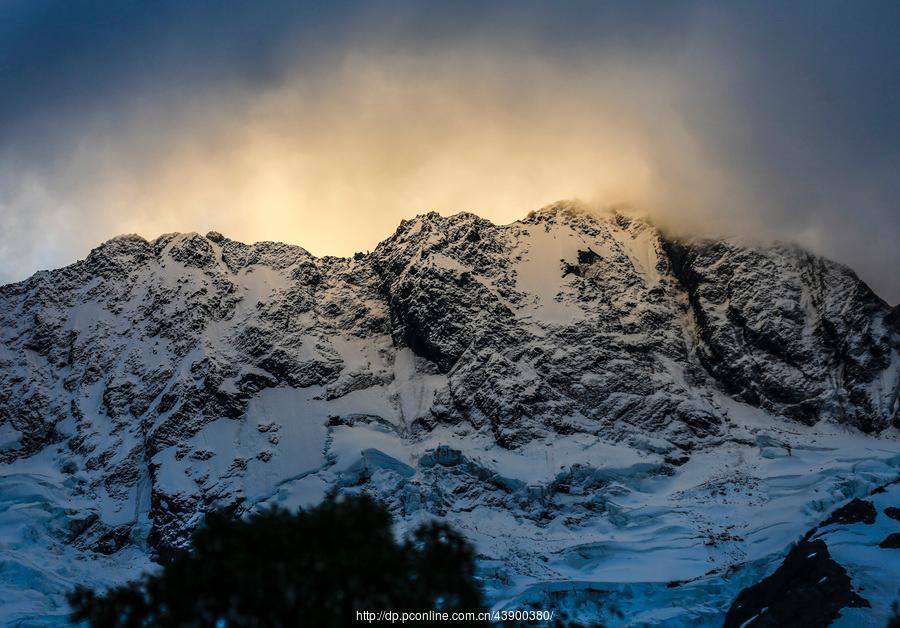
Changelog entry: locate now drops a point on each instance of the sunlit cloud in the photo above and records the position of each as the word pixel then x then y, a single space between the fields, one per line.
pixel 330 148
pixel 335 165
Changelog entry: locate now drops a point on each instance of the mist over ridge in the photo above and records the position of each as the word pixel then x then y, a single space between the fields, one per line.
pixel 327 126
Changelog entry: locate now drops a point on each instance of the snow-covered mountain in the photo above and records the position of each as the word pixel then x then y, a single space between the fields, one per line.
pixel 630 428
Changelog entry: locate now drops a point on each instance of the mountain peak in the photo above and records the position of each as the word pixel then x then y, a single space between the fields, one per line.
pixel 556 368
pixel 575 211
pixel 564 207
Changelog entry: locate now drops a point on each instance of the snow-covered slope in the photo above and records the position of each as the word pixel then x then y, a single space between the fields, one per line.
pixel 602 410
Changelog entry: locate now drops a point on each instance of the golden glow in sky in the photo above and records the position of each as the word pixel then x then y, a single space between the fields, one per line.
pixel 337 167
pixel 334 160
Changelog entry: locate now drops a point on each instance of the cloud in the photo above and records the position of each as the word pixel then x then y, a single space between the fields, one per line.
pixel 325 128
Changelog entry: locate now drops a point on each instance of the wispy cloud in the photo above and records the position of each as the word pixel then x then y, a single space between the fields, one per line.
pixel 325 127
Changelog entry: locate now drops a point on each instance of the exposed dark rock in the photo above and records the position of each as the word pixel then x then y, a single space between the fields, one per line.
pixel 93 535
pixel 893 512
pixel 193 251
pixel 587 257
pixel 113 540
pixel 892 541
pixel 856 511
pixel 808 589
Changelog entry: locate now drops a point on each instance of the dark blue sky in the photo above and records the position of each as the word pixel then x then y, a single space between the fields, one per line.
pixel 797 102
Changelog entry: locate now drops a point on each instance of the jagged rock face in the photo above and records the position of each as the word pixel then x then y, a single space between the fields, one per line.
pixel 555 324
pixel 166 377
pixel 792 333
pixel 618 323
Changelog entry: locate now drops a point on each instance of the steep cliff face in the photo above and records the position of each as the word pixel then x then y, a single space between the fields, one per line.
pixel 794 334
pixel 539 371
pixel 554 325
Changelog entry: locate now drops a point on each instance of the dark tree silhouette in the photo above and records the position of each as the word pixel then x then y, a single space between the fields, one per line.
pixel 276 568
